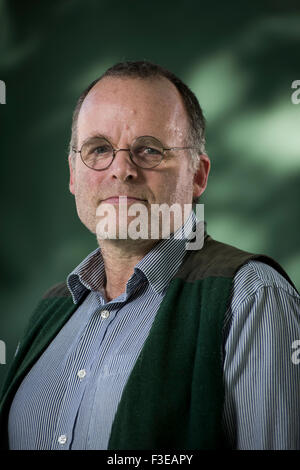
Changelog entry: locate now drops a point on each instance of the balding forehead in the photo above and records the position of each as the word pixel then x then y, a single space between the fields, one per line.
pixel 149 106
pixel 156 89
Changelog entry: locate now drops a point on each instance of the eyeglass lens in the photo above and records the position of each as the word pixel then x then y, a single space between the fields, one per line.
pixel 146 152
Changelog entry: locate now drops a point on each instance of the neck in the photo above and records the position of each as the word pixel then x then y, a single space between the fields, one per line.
pixel 120 258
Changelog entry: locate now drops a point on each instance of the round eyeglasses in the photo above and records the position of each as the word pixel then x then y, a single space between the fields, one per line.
pixel 145 152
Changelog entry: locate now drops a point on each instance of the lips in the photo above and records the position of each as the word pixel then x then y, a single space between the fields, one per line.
pixel 121 198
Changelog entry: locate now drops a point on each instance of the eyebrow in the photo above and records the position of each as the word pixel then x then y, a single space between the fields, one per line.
pixel 101 136
pixel 95 136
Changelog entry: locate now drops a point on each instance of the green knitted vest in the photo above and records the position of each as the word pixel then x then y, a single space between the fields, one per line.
pixel 174 396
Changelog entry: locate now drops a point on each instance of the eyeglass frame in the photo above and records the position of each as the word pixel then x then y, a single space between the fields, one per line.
pixel 115 151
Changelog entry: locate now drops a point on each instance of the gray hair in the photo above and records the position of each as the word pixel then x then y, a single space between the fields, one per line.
pixel 144 70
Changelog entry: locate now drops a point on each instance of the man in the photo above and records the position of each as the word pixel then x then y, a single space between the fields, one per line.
pixel 149 344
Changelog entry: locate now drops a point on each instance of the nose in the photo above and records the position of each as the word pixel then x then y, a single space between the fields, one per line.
pixel 122 168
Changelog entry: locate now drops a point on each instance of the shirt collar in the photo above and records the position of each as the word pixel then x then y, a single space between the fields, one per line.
pixel 158 266
pixel 163 261
pixel 88 275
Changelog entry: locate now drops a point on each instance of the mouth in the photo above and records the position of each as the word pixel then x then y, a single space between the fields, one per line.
pixel 122 199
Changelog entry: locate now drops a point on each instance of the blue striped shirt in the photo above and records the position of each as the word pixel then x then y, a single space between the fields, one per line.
pixel 69 398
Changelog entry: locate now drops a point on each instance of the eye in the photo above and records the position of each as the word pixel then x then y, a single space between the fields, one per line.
pixel 152 150
pixel 148 151
pixel 101 150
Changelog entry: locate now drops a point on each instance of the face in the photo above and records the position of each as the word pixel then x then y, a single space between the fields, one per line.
pixel 122 109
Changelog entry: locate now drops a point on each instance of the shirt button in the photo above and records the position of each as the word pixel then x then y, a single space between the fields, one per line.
pixel 62 439
pixel 81 373
pixel 105 314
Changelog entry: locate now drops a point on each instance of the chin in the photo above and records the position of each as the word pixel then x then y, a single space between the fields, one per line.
pixel 89 223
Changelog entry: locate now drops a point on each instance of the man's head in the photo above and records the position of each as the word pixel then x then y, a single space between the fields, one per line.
pixel 128 101
pixel 147 70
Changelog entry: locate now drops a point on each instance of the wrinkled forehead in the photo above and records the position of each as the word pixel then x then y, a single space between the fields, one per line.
pixel 152 104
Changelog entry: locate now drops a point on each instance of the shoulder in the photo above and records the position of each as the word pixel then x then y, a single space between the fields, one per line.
pixel 261 294
pixel 256 276
pixel 52 297
pixel 218 259
pixel 57 290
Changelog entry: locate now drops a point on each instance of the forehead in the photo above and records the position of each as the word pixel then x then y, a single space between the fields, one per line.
pixel 142 106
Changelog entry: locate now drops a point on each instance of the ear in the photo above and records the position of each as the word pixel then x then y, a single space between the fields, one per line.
pixel 201 176
pixel 72 174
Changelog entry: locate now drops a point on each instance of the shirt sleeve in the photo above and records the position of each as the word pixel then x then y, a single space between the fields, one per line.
pixel 261 370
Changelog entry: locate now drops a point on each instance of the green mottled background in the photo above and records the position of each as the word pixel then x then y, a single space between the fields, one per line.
pixel 239 57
